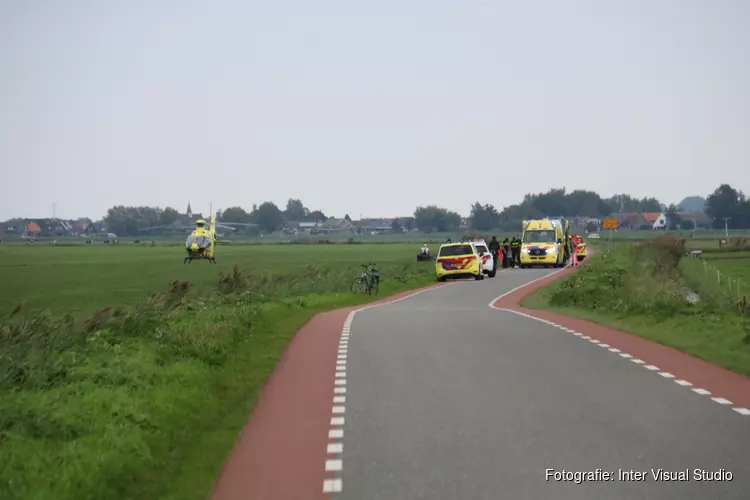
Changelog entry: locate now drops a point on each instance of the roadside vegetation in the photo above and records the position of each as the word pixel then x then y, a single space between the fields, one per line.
pixel 145 398
pixel 655 290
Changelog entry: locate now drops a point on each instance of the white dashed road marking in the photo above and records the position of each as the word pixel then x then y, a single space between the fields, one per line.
pixel 722 401
pixel 654 368
pixel 334 484
pixel 336 433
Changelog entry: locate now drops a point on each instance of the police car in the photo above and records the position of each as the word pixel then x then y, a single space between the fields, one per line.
pixel 487 259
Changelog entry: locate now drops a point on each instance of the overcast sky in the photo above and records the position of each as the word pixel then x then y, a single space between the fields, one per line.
pixel 367 107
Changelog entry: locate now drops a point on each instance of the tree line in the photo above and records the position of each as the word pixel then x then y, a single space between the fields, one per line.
pixel 267 217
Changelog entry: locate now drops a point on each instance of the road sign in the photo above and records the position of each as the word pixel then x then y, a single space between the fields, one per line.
pixel 610 223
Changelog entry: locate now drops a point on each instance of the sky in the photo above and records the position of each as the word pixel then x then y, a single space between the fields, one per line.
pixel 367 108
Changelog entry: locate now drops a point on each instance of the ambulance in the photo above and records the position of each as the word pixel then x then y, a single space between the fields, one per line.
pixel 543 243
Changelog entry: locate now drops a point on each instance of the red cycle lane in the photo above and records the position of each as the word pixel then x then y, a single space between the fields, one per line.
pixel 720 382
pixel 281 452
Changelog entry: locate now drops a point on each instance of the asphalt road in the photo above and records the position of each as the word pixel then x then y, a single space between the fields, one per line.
pixel 449 399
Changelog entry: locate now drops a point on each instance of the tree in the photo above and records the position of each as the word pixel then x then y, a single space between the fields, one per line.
pixel 129 221
pixel 692 204
pixel 726 201
pixel 435 219
pixel 316 216
pixel 347 218
pixel 168 216
pixel 396 226
pixel 235 215
pixel 483 217
pixel 625 203
pixel 295 210
pixel 268 217
pixel 674 221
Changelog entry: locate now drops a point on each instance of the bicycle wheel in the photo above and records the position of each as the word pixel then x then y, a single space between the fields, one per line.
pixel 359 286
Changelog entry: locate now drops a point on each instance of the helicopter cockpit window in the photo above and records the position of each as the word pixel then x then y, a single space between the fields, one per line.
pixel 202 241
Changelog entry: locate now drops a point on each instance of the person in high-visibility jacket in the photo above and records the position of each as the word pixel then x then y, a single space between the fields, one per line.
pixel 573 244
pixel 515 248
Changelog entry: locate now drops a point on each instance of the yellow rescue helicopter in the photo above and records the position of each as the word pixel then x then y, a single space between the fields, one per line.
pixel 201 244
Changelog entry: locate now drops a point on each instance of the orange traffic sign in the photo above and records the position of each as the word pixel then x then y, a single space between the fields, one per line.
pixel 610 223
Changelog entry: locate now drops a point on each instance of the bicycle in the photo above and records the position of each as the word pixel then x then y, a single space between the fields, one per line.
pixel 368 282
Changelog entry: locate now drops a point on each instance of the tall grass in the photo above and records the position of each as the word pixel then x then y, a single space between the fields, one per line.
pixel 124 402
pixel 633 279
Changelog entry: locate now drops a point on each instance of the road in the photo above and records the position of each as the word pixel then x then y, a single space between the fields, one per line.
pixel 447 398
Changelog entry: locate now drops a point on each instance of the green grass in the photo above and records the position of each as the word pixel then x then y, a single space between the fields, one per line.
pixel 642 291
pixel 82 279
pixel 146 400
pixel 734 264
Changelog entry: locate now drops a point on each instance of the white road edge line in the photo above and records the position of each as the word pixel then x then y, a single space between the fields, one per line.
pixel 334 485
pixel 684 383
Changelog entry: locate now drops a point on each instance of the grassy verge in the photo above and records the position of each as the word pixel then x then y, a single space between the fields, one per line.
pixel 641 289
pixel 146 401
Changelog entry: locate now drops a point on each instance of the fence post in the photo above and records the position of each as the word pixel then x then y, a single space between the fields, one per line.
pixel 705 266
pixel 718 277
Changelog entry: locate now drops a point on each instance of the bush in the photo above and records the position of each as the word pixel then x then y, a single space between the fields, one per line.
pixel 635 279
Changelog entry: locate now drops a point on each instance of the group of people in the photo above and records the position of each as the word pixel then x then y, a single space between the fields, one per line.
pixel 509 251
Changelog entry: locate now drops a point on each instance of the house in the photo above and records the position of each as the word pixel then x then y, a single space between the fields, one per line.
pixel 658 220
pixel 32 229
pixel 631 220
pixel 699 219
pixel 80 228
pixel 464 224
pixel 295 227
pixel 334 225
pixel 382 225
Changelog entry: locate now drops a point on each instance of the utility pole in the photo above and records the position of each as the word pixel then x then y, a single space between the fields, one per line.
pixel 54 210
pixel 726 226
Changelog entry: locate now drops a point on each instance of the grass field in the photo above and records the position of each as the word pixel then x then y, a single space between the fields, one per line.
pixel 643 291
pixel 83 279
pixel 145 400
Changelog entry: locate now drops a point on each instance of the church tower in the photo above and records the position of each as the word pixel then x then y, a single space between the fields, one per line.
pixel 189 211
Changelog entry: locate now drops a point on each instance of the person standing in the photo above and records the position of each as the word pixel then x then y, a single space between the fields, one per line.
pixel 515 248
pixel 494 248
pixel 573 257
pixel 506 253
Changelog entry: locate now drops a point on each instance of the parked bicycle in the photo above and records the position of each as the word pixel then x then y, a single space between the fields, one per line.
pixel 368 282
